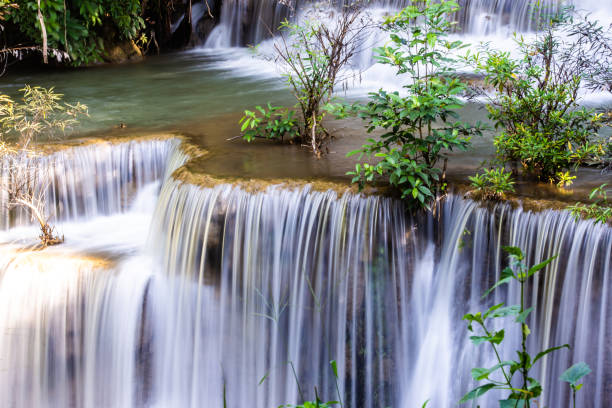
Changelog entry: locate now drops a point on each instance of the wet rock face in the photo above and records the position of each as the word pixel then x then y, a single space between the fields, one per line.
pixel 122 52
pixel 119 50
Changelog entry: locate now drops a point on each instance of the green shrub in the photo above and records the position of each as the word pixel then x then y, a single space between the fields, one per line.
pixel 493 184
pixel 600 210
pixel 536 99
pixel 311 57
pixel 420 124
pixel 272 122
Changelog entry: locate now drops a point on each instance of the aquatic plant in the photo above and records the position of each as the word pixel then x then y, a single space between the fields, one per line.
pixel 269 122
pixel 421 125
pixel 534 99
pixel 493 184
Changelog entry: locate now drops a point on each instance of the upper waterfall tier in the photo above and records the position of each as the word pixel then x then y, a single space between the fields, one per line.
pixel 100 178
pixel 244 22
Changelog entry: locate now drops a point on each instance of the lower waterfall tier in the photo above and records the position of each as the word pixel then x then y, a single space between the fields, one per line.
pixel 191 296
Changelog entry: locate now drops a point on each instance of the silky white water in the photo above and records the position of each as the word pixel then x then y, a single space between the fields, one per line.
pixel 186 294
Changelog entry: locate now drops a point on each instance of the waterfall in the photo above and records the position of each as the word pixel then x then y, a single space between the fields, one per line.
pixel 248 22
pixel 263 281
pixel 249 295
pixel 86 181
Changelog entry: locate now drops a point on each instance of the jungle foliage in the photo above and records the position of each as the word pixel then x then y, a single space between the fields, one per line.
pixel 76 27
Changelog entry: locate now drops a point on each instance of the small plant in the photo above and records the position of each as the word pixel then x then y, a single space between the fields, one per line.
pixel 600 211
pixel 274 123
pixel 574 374
pixel 41 112
pixel 317 403
pixel 493 184
pixel 420 127
pixel 311 56
pixel 564 179
pixel 521 392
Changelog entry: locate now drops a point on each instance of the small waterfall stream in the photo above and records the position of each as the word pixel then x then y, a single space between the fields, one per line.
pixel 249 22
pixel 237 291
pixel 97 179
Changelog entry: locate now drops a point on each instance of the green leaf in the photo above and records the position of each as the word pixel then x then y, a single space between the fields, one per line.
pixel 506 311
pixel 573 374
pixel 480 374
pixel 500 282
pixel 496 338
pixel 477 392
pixel 512 403
pixel 263 379
pixel 523 315
pixel 515 252
pixel 540 266
pixel 334 367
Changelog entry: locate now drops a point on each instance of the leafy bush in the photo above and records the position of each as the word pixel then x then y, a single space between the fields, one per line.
pixel 536 97
pixel 493 184
pixel 74 26
pixel 420 125
pixel 274 123
pixel 600 210
pixel 527 388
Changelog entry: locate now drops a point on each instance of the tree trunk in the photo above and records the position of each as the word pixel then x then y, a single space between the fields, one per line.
pixel 43 31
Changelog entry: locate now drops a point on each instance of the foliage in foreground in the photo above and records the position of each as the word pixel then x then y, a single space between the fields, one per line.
pixel 523 392
pixel 41 112
pixel 317 403
pixel 311 57
pixel 421 123
pixel 536 97
pixel 600 210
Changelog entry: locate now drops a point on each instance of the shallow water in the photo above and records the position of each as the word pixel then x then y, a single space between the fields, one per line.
pixel 202 93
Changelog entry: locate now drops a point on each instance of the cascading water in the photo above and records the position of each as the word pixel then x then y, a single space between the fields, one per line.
pixel 300 278
pixel 232 292
pixel 248 22
pixel 90 180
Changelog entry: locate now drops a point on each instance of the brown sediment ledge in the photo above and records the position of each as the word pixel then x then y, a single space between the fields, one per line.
pixel 54 146
pixel 48 258
pixel 193 172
